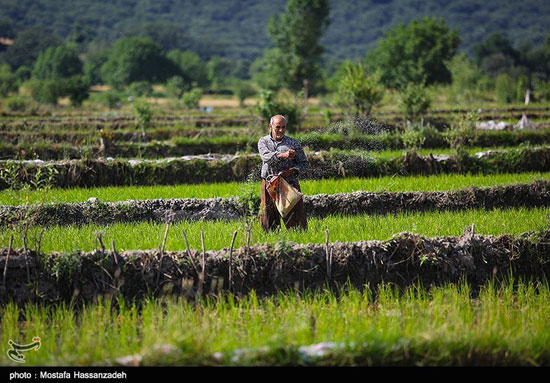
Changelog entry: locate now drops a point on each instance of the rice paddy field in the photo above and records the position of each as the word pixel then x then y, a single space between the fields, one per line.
pixel 465 286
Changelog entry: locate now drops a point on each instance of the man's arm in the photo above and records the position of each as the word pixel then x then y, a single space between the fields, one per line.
pixel 268 156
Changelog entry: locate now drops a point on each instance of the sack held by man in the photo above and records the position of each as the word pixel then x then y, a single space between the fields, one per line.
pixel 283 194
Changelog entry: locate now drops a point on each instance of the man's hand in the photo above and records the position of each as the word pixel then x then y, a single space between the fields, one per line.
pixel 289 155
pixel 287 173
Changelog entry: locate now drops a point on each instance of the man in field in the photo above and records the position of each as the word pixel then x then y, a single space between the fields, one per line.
pixel 281 154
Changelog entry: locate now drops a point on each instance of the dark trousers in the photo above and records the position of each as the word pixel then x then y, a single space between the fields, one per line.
pixel 270 217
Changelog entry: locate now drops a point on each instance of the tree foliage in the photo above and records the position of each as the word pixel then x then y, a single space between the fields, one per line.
pixel 415 53
pixel 169 36
pixel 77 89
pixel 358 91
pixel 57 62
pixel 191 67
pixel 6 28
pixel 268 106
pixel 192 99
pixel 415 100
pixel 296 34
pixel 236 28
pixel 28 45
pixel 8 81
pixel 137 59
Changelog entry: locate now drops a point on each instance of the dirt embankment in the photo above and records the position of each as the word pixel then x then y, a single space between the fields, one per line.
pixel 404 260
pixel 324 164
pixel 535 194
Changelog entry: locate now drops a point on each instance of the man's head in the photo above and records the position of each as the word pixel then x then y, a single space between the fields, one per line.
pixel 277 127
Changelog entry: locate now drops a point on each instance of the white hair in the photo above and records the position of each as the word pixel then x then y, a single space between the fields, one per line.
pixel 278 115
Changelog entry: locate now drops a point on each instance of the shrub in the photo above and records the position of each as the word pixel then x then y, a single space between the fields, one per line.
pixel 22 74
pixel 140 89
pixel 542 91
pixel 268 107
pixel 45 91
pixel 143 114
pixel 57 62
pixel 462 132
pixel 412 137
pixel 111 98
pixel 77 89
pixel 505 89
pixel 358 91
pixel 8 81
pixel 414 100
pixel 244 90
pixel 192 99
pixel 521 88
pixel 17 104
pixel 175 86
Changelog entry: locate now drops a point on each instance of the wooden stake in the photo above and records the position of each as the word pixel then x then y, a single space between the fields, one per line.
pixel 26 255
pixel 189 251
pixel 162 251
pixel 164 238
pixel 203 266
pixel 40 241
pixel 328 256
pixel 98 236
pixel 249 229
pixel 7 260
pixel 114 251
pixel 231 262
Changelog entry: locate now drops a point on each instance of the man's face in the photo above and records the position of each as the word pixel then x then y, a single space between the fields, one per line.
pixel 278 128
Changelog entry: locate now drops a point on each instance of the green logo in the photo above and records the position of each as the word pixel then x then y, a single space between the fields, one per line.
pixel 15 352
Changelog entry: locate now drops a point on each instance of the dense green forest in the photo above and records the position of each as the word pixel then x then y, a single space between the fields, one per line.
pixel 237 28
pixel 193 49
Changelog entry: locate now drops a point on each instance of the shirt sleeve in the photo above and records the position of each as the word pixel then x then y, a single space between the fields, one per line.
pixel 268 156
pixel 301 159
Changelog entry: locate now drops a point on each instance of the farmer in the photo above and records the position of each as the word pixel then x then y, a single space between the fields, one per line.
pixel 281 154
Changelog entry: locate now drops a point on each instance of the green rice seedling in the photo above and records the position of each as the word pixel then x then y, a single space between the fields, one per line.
pixel 454 324
pixel 218 234
pixel 230 189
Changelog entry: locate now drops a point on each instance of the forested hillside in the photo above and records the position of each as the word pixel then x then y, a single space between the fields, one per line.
pixel 237 28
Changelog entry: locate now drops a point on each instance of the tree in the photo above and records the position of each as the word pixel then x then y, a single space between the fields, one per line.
pixel 92 66
pixel 219 71
pixel 358 91
pixel 268 106
pixel 45 91
pixel 192 99
pixel 495 44
pixel 28 45
pixel 57 73
pixel 415 53
pixel 137 59
pixel 57 62
pixel 466 78
pixel 244 90
pixel 169 36
pixel 143 113
pixel 414 100
pixel 193 69
pixel 176 86
pixel 538 60
pixel 294 61
pixel 77 89
pixel 81 34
